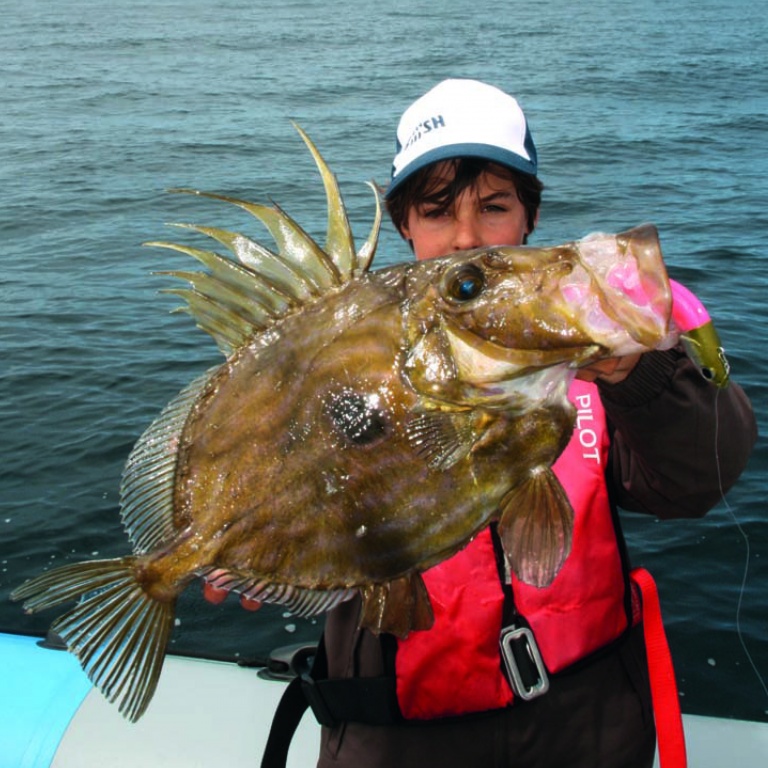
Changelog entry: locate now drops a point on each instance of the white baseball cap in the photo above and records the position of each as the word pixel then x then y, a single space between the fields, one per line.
pixel 462 118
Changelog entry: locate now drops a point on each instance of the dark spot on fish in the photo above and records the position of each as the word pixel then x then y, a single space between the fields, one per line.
pixel 357 418
pixel 464 283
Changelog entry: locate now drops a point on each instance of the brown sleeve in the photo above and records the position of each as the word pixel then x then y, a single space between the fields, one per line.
pixel 679 442
pixel 351 652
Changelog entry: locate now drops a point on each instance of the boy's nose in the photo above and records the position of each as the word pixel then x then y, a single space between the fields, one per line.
pixel 466 233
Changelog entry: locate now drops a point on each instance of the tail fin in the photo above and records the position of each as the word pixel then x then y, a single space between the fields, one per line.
pixel 117 631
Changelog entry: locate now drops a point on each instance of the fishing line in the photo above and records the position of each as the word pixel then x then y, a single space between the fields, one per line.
pixel 744 536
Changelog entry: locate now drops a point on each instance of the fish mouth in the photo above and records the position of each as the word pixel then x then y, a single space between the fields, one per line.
pixel 481 361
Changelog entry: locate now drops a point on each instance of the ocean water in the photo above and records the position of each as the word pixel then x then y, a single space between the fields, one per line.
pixel 654 110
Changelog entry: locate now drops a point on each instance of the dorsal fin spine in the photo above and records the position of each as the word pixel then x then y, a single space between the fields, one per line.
pixel 294 244
pixel 236 275
pixel 318 263
pixel 253 307
pixel 261 287
pixel 271 267
pixel 368 249
pixel 340 244
pixel 228 329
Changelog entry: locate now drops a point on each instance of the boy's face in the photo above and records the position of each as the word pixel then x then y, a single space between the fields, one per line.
pixel 487 213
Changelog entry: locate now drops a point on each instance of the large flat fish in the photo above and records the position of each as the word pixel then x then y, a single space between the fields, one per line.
pixel 364 426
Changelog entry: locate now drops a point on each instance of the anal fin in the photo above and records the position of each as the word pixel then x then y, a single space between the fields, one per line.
pixel 397 607
pixel 536 528
pixel 301 601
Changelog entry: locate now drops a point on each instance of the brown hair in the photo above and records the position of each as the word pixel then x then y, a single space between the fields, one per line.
pixel 424 186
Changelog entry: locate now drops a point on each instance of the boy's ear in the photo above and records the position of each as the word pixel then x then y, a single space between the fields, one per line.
pixel 405 233
pixel 529 230
pixel 535 222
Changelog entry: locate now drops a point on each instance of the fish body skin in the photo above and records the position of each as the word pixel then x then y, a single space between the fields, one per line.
pixel 364 426
pixel 276 477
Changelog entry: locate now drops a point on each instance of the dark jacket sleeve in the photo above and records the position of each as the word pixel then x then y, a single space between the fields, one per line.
pixel 679 442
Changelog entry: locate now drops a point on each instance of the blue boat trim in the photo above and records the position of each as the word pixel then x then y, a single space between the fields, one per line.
pixel 46 689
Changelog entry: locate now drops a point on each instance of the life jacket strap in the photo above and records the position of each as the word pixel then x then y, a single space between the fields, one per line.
pixel 666 702
pixel 371 700
pixel 291 708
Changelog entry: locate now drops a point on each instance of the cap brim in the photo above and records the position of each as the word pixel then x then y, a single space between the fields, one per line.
pixel 452 151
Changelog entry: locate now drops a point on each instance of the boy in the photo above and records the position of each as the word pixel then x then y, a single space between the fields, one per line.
pixel 465 176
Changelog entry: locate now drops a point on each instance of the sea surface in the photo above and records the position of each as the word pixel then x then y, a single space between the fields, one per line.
pixel 650 110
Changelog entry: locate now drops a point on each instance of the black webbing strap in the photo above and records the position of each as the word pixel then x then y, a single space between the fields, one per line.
pixel 521 659
pixel 291 708
pixel 370 700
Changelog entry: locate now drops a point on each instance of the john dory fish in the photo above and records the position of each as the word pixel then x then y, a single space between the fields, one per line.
pixel 364 426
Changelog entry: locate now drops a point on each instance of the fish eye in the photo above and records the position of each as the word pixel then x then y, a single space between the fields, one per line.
pixel 466 283
pixel 357 418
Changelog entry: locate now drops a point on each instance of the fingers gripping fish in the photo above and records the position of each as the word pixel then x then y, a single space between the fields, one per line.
pixel 364 426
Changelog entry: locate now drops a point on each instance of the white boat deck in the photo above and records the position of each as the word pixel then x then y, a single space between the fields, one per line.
pixel 208 714
pixel 215 714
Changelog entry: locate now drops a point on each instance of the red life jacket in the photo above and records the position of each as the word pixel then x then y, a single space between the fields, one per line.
pixel 454 668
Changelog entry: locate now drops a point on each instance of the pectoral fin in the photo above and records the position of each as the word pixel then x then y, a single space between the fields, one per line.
pixel 397 607
pixel 442 438
pixel 536 528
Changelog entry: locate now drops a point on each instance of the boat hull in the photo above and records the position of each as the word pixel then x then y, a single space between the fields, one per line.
pixel 210 713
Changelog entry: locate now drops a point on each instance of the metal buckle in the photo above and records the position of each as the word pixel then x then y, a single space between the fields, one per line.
pixel 522 658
